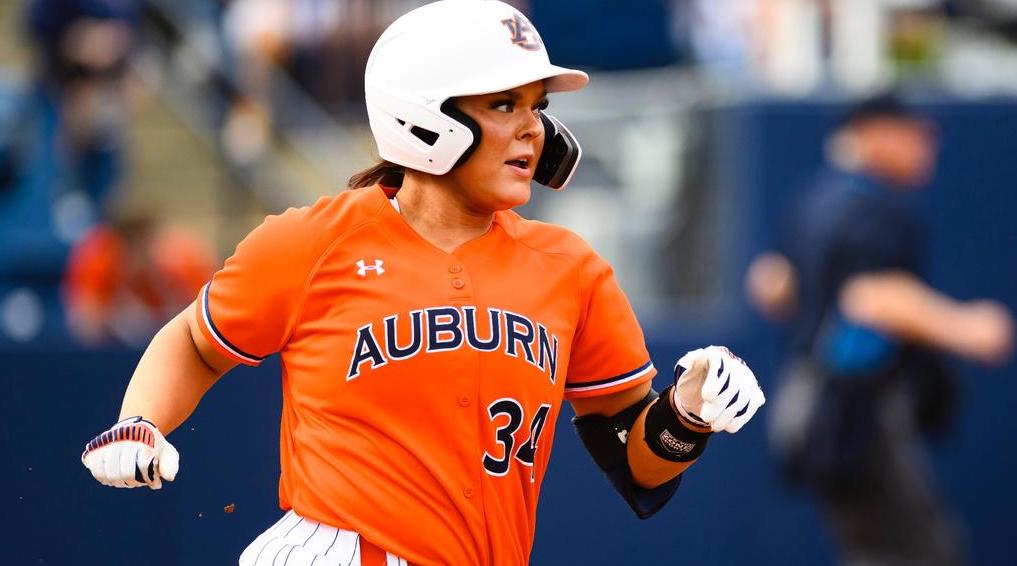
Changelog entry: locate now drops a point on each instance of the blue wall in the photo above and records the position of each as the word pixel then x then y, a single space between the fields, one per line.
pixel 730 509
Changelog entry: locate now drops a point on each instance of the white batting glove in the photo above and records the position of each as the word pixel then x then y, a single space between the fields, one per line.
pixel 714 388
pixel 132 453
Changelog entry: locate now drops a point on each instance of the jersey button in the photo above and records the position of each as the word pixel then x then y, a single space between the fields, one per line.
pixel 458 283
pixel 455 268
pixel 468 492
pixel 464 400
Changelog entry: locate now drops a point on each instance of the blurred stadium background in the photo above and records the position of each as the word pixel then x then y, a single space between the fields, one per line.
pixel 141 139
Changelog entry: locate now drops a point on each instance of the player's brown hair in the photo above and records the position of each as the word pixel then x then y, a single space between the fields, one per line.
pixel 374 174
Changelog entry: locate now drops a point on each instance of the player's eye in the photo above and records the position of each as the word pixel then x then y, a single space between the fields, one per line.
pixel 503 106
pixel 542 105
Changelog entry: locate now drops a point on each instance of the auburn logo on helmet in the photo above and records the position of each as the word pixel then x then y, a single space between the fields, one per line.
pixel 523 33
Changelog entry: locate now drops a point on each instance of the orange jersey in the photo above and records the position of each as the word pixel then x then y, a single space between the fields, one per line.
pixel 421 388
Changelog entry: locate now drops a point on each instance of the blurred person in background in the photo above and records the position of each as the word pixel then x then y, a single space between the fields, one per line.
pixel 722 34
pixel 82 49
pixel 263 35
pixel 866 380
pixel 61 155
pixel 127 277
pixel 321 45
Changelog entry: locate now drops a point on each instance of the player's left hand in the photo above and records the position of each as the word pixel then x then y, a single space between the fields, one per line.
pixel 715 389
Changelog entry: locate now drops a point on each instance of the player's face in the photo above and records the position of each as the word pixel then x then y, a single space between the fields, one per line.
pixel 497 176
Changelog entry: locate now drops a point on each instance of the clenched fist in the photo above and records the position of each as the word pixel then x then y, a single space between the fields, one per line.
pixel 714 388
pixel 132 453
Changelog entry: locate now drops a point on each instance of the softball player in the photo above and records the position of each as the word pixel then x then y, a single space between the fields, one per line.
pixel 427 333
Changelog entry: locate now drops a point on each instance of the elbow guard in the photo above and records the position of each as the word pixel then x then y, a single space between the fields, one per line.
pixel 606 439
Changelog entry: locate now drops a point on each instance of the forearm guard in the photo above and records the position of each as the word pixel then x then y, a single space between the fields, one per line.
pixel 606 438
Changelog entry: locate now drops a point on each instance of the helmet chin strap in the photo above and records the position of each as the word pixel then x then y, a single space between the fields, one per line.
pixel 558 159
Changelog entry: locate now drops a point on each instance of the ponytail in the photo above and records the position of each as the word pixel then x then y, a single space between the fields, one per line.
pixel 384 172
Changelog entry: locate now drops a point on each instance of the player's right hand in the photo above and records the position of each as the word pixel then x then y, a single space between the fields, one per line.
pixel 132 453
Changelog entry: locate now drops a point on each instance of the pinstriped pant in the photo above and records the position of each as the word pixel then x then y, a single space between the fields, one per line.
pixel 296 541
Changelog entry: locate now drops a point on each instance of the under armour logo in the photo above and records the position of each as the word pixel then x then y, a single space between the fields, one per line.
pixel 363 268
pixel 523 33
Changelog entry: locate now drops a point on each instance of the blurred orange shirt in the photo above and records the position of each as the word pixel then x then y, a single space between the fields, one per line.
pixel 421 388
pixel 110 276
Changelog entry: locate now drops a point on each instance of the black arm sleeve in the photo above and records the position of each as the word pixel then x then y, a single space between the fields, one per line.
pixel 606 439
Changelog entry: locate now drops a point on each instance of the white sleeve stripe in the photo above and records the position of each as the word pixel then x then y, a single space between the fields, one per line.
pixel 604 384
pixel 206 317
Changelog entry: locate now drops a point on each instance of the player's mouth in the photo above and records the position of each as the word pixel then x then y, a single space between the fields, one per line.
pixel 521 165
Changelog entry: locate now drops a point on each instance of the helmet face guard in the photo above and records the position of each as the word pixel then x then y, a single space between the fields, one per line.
pixel 454 48
pixel 560 157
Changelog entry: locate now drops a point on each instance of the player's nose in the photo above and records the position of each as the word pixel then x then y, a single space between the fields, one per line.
pixel 531 127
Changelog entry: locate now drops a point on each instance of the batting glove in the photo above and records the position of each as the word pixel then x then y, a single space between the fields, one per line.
pixel 715 389
pixel 132 453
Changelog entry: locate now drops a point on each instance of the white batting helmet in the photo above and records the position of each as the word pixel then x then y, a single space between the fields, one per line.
pixel 443 50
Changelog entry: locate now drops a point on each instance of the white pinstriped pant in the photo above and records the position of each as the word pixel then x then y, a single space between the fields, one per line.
pixel 296 541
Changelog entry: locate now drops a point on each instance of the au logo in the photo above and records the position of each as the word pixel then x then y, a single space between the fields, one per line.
pixel 523 33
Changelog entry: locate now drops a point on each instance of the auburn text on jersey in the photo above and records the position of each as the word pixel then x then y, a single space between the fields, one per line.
pixel 444 328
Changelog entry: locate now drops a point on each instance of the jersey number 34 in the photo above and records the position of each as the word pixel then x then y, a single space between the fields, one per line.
pixel 506 436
